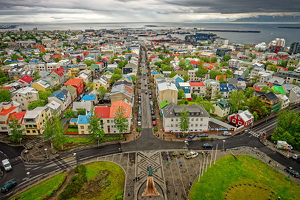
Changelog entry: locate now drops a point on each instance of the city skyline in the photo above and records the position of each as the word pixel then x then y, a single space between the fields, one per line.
pixel 72 11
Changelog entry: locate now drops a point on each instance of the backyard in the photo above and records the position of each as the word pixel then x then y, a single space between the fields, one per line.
pixel 244 178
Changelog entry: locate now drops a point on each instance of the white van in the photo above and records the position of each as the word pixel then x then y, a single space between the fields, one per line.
pixel 6 164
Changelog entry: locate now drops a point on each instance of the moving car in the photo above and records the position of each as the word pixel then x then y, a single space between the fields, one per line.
pixel 292 172
pixel 226 133
pixel 207 146
pixel 6 164
pixel 191 155
pixel 139 120
pixel 8 186
pixel 296 156
pixel 202 135
pixel 190 137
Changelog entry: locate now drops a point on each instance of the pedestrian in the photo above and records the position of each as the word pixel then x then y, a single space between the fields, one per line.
pixel 167 158
pixel 169 163
pixel 179 162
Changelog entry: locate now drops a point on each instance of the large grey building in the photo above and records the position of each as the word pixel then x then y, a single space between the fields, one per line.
pixel 198 118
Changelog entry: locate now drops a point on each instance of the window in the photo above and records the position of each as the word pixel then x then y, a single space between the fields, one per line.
pixel 82 127
pixel 192 119
pixel 28 131
pixel 171 119
pixel 240 123
pixel 233 120
pixel 201 119
pixel 196 119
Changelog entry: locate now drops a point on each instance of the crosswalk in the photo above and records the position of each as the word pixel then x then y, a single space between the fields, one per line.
pixel 256 134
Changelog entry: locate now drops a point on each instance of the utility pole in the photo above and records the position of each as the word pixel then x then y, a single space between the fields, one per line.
pixel 216 154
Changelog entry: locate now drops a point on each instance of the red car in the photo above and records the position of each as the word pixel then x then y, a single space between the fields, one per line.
pixel 153 120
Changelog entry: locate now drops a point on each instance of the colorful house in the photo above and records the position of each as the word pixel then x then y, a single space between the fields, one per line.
pixel 77 83
pixel 25 80
pixel 242 118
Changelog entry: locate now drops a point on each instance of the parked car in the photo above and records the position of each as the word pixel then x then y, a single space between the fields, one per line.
pixel 6 164
pixel 152 112
pixel 226 133
pixel 191 155
pixel 296 156
pixel 292 172
pixel 202 135
pixel 150 96
pixel 139 120
pixel 140 110
pixel 8 186
pixel 190 137
pixel 207 146
pixel 153 120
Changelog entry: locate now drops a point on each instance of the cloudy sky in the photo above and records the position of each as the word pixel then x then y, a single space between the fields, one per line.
pixel 59 11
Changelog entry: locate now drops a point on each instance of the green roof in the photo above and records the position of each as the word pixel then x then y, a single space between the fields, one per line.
pixel 278 89
pixel 94 66
pixel 163 104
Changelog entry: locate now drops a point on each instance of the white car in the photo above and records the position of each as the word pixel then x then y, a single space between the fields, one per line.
pixel 191 155
pixel 6 164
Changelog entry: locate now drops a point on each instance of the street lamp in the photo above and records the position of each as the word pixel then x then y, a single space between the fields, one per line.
pixel 223 145
pixel 28 173
pixel 74 155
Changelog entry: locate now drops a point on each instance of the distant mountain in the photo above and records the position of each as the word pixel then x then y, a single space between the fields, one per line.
pixel 264 18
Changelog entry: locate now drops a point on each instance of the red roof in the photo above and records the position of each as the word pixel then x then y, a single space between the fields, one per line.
pixel 102 111
pixel 5 88
pixel 17 115
pixel 59 71
pixel 219 76
pixel 196 84
pixel 86 53
pixel 38 46
pixel 26 79
pixel 194 62
pixel 74 81
pixel 270 58
pixel 256 89
pixel 7 111
pixel 115 106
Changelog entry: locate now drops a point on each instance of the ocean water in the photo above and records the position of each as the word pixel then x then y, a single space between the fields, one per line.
pixel 269 31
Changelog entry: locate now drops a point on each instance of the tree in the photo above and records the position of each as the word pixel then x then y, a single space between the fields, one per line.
pixel 249 92
pixel 115 77
pixel 117 71
pixel 182 65
pixel 16 131
pixel 207 105
pixel 133 78
pixel 172 74
pixel 190 67
pixel 201 72
pixel 226 57
pixel 229 74
pixel 36 103
pixel 70 113
pixel 236 100
pixel 102 91
pixel 288 128
pixel 81 111
pixel 184 120
pixel 214 73
pixel 95 127
pixel 5 96
pixel 181 94
pixel 43 95
pixel 255 105
pixel 185 78
pixel 291 68
pixel 36 75
pixel 213 60
pixel 266 89
pixel 166 67
pixel 54 131
pixel 120 121
pixel 273 68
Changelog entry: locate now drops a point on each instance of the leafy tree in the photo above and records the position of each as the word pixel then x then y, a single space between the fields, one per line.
pixel 229 74
pixel 120 121
pixel 207 105
pixel 236 100
pixel 184 120
pixel 95 127
pixel 214 73
pixel 133 78
pixel 15 57
pixel 89 62
pixel 172 74
pixel 288 128
pixel 36 103
pixel 201 72
pixel 182 65
pixel 5 96
pixel 36 75
pixel 122 64
pixel 255 115
pixel 213 60
pixel 117 71
pixel 266 89
pixel 166 67
pixel 78 60
pixel 16 132
pixel 255 105
pixel 190 67
pixel 69 113
pixel 249 92
pixel 157 64
pixel 255 79
pixel 57 60
pixel 291 68
pixel 273 68
pixel 115 77
pixel 3 78
pixel 226 57
pixel 283 63
pixel 224 64
pixel 185 78
pixel 81 111
pixel 181 94
pixel 102 91
pixel 43 95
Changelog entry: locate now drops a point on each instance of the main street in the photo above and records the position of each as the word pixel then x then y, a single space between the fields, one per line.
pixel 27 173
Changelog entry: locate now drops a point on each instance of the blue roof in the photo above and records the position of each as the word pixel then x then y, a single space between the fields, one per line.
pixel 153 73
pixel 84 119
pixel 223 87
pixel 74 120
pixel 61 94
pixel 88 97
pixel 231 87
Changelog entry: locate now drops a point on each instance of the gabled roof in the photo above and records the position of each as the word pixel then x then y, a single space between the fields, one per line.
pixel 26 79
pixel 4 112
pixel 219 76
pixel 115 106
pixel 74 81
pixel 197 84
pixel 62 95
pixel 224 87
pixel 102 111
pixel 246 115
pixel 84 119
pixel 271 97
pixel 17 116
pixel 59 71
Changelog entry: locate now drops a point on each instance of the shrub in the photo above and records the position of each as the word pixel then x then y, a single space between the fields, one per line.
pixel 138 129
pixel 155 129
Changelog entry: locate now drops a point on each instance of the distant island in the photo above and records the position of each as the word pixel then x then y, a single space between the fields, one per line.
pixel 290 27
pixel 264 18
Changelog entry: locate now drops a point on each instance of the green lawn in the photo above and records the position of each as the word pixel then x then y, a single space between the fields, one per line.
pixel 72 130
pixel 229 172
pixel 44 189
pixel 116 178
pixel 80 140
